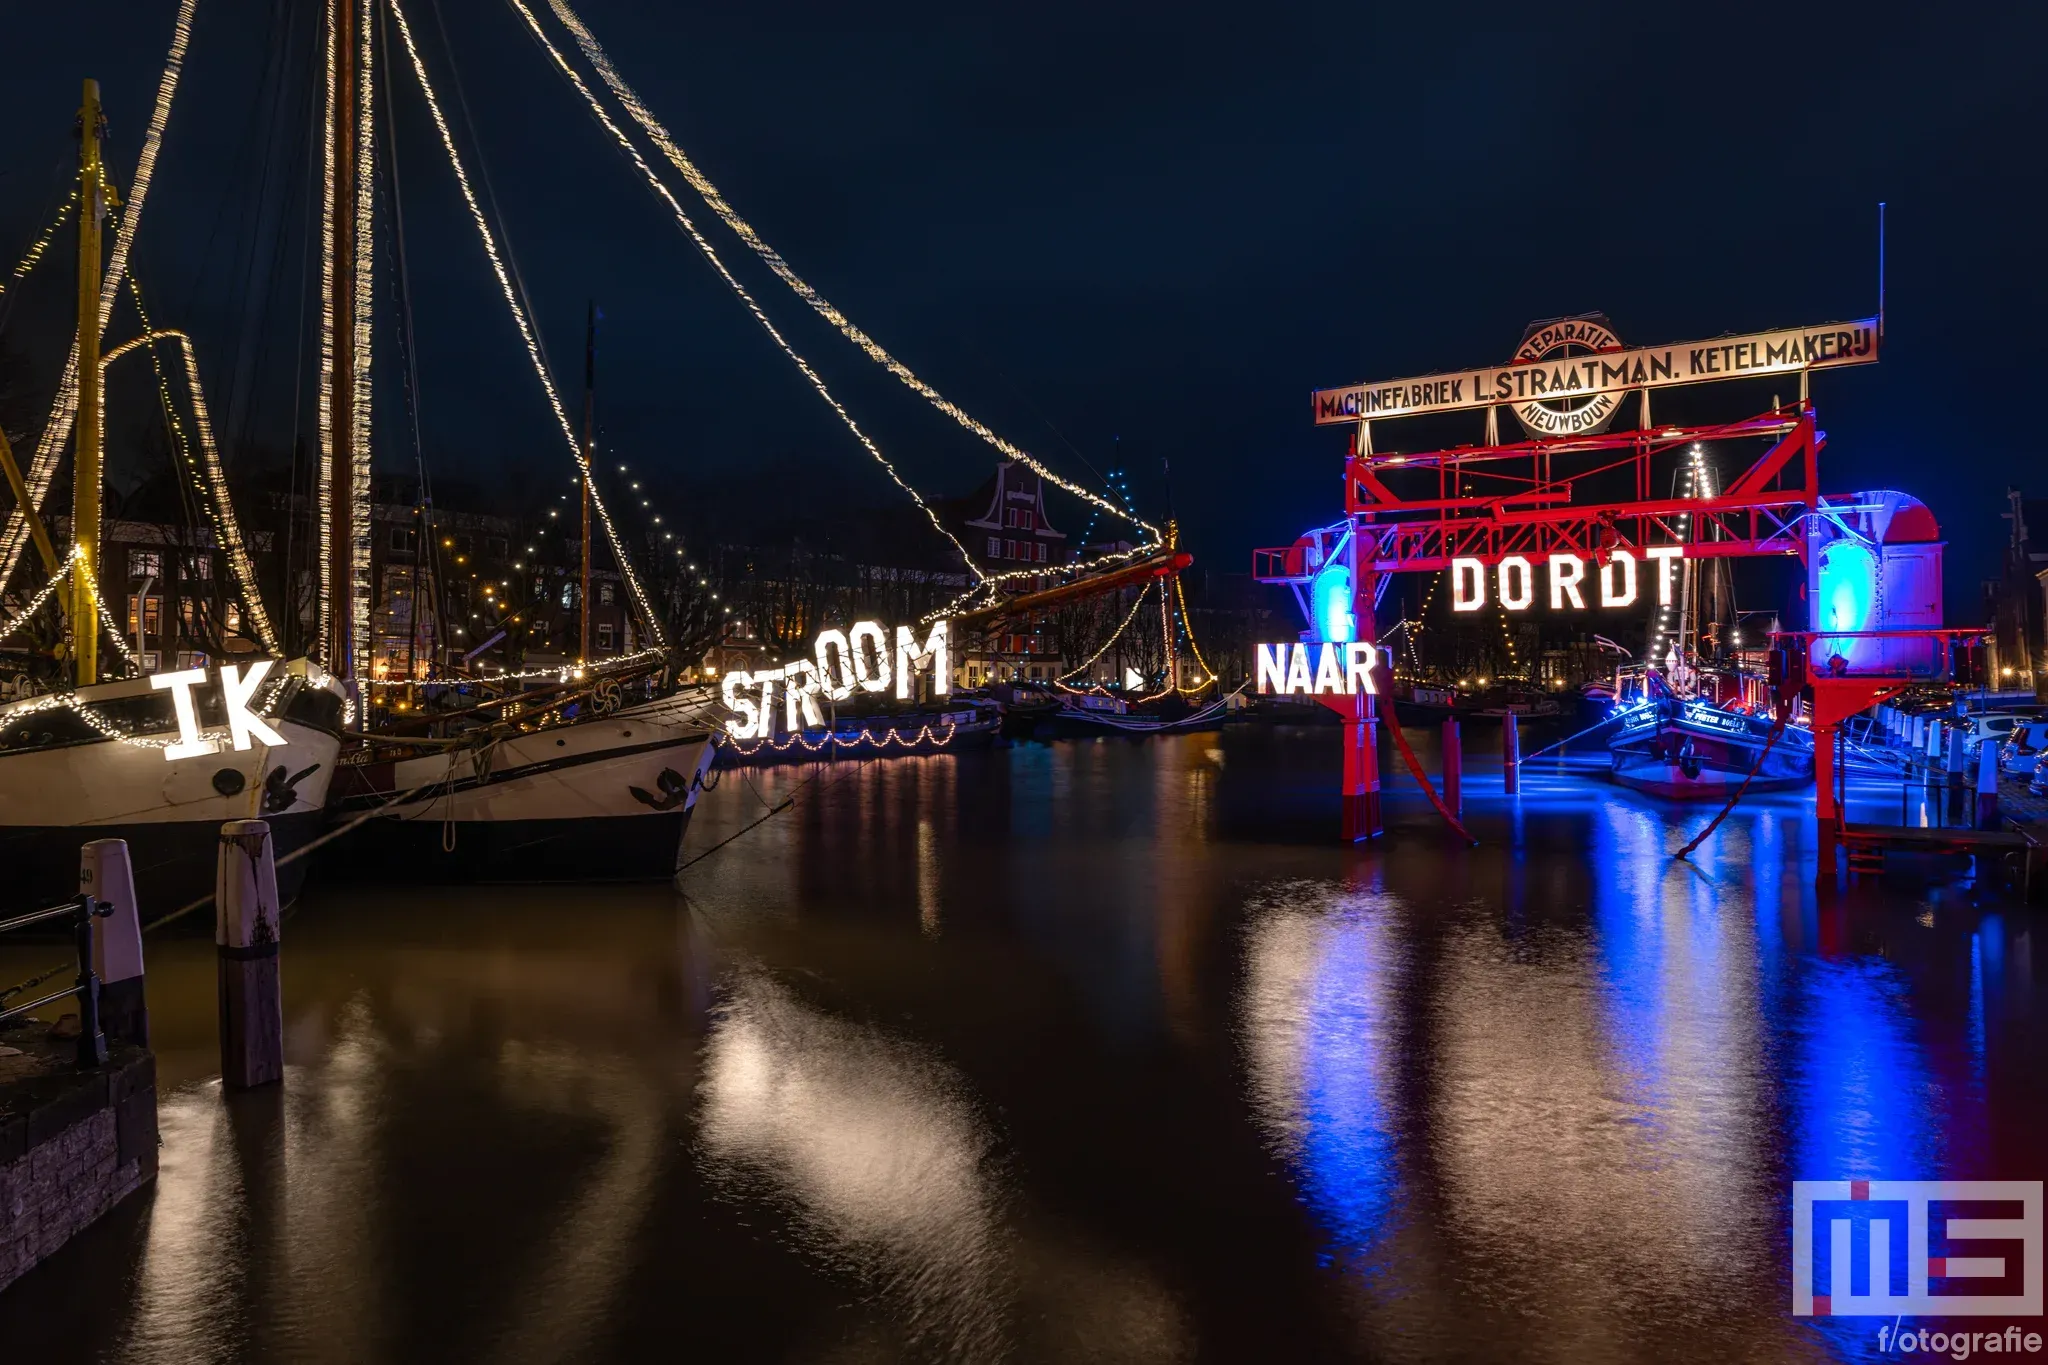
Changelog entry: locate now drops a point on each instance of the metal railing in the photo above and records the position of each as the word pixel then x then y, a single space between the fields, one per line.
pixel 80 910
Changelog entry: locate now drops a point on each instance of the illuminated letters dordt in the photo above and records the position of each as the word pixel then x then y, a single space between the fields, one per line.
pixel 1514 579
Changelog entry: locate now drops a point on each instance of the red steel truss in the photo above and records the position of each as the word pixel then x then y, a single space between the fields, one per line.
pixel 1488 502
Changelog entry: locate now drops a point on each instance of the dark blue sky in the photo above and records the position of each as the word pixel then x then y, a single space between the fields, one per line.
pixel 1161 223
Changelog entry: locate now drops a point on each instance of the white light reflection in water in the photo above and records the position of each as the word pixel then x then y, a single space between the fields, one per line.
pixel 876 1150
pixel 1320 1039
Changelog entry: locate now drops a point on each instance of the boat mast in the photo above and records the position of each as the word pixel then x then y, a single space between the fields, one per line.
pixel 589 463
pixel 338 531
pixel 85 490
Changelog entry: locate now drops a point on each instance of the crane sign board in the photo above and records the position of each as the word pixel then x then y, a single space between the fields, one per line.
pixel 1568 376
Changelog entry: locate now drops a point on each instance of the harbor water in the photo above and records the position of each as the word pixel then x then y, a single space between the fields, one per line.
pixel 1094 1051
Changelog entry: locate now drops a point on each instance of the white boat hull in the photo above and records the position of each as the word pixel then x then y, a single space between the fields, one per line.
pixel 599 799
pixel 59 791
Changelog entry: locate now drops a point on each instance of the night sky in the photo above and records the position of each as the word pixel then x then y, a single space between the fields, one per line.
pixel 1164 224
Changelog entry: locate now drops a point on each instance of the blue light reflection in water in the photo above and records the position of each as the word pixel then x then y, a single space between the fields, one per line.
pixel 1322 1038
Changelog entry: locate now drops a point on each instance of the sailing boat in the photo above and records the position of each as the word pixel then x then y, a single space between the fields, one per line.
pixel 1697 724
pixel 160 761
pixel 569 784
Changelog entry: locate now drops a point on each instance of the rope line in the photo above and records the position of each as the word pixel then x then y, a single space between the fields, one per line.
pixel 64 409
pixel 600 61
pixel 526 331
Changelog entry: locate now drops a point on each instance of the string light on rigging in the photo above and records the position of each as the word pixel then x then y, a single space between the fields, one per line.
pixel 525 326
pixel 64 409
pixel 659 135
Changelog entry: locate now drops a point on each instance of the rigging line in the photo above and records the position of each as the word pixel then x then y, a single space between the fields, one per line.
pixel 1114 636
pixel 526 331
pixel 288 151
pixel 659 135
pixel 740 290
pixel 41 244
pixel 49 446
pixel 483 172
pixel 291 505
pixel 407 345
pixel 1036 411
pixel 222 512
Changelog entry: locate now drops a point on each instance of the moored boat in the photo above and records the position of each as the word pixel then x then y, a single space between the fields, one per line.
pixel 1693 748
pixel 594 798
pixel 100 763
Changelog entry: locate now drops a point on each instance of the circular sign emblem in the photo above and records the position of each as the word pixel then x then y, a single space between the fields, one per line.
pixel 1570 414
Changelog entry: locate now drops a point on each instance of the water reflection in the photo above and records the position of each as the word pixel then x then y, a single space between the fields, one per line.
pixel 1322 1043
pixel 1091 1051
pixel 876 1148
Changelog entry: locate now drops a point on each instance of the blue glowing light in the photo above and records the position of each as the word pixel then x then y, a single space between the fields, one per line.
pixel 1331 595
pixel 1846 597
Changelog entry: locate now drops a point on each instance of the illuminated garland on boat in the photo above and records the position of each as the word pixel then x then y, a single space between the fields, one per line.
pixel 1115 635
pixel 57 429
pixel 882 741
pixel 361 588
pixel 659 135
pixel 214 490
pixel 562 673
pixel 69 701
pixel 35 603
pixel 324 491
pixel 526 333
pixel 42 243
pixel 740 290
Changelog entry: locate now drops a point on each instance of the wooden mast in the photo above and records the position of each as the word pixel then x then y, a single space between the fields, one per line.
pixel 85 489
pixel 339 530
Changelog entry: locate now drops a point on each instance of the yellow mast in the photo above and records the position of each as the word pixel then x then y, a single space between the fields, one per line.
pixel 85 489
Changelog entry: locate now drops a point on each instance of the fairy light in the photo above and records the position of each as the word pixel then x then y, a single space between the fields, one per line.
pixel 220 509
pixel 1116 635
pixel 99 602
pixel 325 491
pixel 1188 629
pixel 925 734
pixel 35 603
pixel 739 290
pixel 659 135
pixel 361 588
pixel 525 327
pixel 563 673
pixel 57 429
pixel 42 243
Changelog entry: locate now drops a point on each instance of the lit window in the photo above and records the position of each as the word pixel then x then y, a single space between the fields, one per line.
pixel 604 636
pixel 995 547
pixel 146 613
pixel 604 594
pixel 145 564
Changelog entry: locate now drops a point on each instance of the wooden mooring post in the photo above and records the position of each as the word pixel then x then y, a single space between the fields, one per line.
pixel 245 937
pixel 1510 755
pixel 104 873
